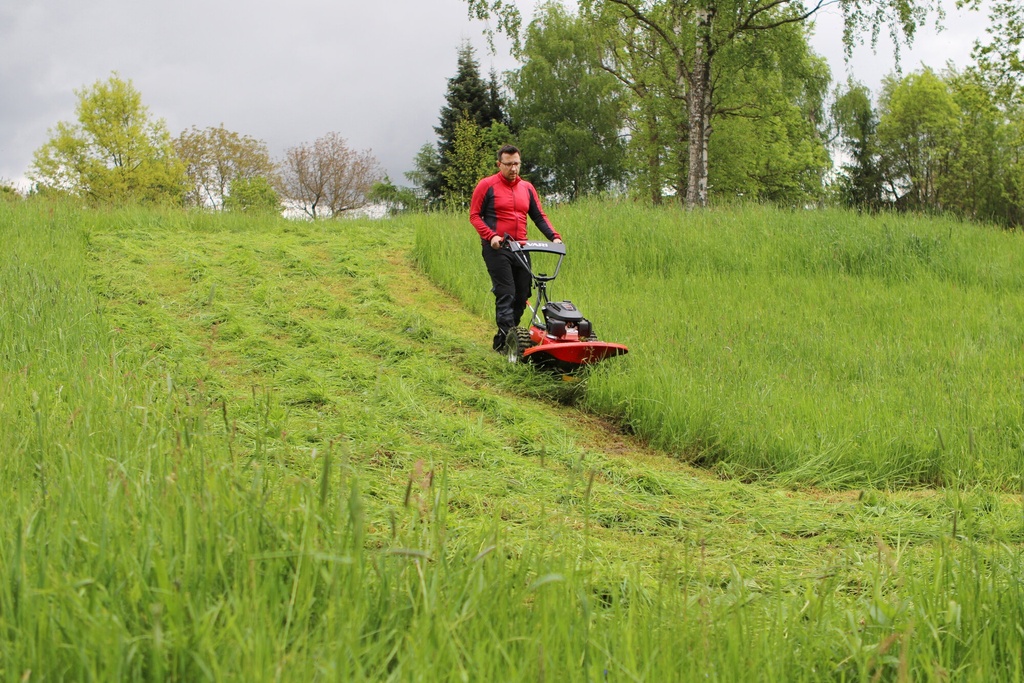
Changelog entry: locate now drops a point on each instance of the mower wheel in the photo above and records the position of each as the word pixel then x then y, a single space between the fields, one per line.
pixel 516 342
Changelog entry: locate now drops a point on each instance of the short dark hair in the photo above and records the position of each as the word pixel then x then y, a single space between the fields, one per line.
pixel 507 149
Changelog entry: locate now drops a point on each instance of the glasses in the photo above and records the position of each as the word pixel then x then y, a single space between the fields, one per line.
pixel 511 164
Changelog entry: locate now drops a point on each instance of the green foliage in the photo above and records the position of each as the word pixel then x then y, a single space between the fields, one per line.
pixel 468 96
pixel 699 47
pixel 396 199
pixel 1013 187
pixel 765 106
pixel 493 138
pixel 999 72
pixel 768 144
pixel 942 143
pixel 918 132
pixel 655 122
pixel 426 174
pixel 115 154
pixel 1001 60
pixel 471 158
pixel 980 169
pixel 567 110
pixel 464 165
pixel 9 193
pixel 215 158
pixel 860 182
pixel 252 195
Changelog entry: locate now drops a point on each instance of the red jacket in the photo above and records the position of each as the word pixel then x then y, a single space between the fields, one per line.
pixel 500 207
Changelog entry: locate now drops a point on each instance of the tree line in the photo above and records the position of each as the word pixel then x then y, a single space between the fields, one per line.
pixel 116 152
pixel 950 141
pixel 933 142
pixel 661 100
pixel 719 99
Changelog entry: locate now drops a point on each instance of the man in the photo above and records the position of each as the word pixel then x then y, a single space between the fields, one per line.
pixel 499 208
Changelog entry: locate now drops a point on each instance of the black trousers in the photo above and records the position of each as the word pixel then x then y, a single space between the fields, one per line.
pixel 510 282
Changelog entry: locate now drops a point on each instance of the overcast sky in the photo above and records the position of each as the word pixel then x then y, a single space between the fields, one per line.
pixel 289 72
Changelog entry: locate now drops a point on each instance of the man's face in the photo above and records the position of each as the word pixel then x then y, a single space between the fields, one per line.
pixel 508 166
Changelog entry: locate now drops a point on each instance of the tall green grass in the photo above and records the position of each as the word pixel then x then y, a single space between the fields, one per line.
pixel 157 523
pixel 822 347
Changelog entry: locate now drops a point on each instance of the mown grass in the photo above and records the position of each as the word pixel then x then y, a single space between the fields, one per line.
pixel 265 450
pixel 819 347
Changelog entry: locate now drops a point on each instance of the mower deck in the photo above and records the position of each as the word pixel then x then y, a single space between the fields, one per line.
pixel 573 353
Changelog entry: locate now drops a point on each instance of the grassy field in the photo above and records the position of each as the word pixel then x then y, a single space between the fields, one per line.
pixel 817 347
pixel 239 449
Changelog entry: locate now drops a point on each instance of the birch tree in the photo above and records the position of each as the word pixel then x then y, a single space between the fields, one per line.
pixel 693 34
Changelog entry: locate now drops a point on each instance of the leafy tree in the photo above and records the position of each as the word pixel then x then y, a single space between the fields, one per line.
pixel 252 194
pixel 9 193
pixel 856 122
pixel 767 103
pixel 943 143
pixel 918 135
pixel 1000 65
pixel 567 109
pixel 328 177
pixel 978 164
pixel 395 199
pixel 769 117
pixel 472 157
pixel 215 158
pixel 426 174
pixel 495 136
pixel 463 169
pixel 632 56
pixel 695 34
pixel 1013 187
pixel 1001 60
pixel 115 153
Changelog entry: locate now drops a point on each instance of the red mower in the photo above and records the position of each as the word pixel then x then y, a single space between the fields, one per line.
pixel 565 340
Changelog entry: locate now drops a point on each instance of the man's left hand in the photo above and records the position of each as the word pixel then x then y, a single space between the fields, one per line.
pixel 558 241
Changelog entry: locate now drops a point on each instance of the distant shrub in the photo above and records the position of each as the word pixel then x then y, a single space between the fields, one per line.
pixel 9 193
pixel 253 195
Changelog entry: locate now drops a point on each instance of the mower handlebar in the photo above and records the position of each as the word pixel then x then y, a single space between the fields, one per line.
pixel 521 252
pixel 534 245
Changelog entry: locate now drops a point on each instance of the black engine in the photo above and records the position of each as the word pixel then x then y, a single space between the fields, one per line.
pixel 560 316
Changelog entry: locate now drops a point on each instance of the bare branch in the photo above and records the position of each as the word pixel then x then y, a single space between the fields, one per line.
pixel 328 177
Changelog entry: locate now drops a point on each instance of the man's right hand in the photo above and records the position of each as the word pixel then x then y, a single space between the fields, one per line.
pixel 496 242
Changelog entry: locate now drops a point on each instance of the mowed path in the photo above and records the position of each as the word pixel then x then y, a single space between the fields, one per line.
pixel 316 336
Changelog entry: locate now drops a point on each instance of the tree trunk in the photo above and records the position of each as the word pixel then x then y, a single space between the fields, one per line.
pixel 682 147
pixel 699 102
pixel 654 159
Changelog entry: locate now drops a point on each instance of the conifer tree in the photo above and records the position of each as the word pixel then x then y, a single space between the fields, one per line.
pixel 469 98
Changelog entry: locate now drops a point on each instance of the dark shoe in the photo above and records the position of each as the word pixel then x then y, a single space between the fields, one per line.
pixel 498 343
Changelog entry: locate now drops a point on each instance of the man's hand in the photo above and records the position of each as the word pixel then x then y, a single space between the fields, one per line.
pixel 496 242
pixel 558 241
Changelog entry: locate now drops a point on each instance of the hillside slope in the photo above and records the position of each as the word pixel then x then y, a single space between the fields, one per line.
pixel 246 449
pixel 346 340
